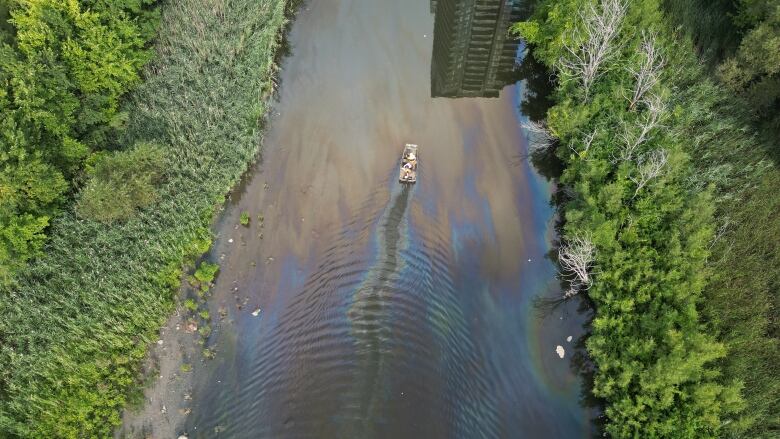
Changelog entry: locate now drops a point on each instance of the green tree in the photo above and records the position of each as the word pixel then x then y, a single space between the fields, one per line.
pixel 121 182
pixel 64 65
pixel 754 70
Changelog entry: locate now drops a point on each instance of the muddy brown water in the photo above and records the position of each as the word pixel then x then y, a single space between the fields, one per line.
pixel 386 311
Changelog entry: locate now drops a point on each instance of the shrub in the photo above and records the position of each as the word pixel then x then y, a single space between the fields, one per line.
pixel 122 182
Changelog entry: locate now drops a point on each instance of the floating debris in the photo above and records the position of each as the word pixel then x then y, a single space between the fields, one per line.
pixel 559 350
pixel 191 326
pixel 568 339
pixel 256 312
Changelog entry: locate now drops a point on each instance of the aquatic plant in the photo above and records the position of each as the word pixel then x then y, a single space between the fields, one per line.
pixel 206 272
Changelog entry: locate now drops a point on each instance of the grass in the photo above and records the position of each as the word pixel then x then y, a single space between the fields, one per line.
pixel 740 303
pixel 76 326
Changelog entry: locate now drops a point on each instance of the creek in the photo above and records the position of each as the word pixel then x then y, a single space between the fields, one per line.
pixel 388 311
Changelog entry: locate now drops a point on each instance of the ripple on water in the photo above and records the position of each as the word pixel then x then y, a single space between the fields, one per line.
pixel 374 345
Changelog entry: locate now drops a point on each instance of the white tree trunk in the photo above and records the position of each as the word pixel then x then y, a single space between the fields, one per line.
pixel 649 166
pixel 540 139
pixel 649 70
pixel 632 138
pixel 576 258
pixel 594 40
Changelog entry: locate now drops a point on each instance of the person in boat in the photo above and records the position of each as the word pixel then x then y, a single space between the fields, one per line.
pixel 411 160
pixel 407 169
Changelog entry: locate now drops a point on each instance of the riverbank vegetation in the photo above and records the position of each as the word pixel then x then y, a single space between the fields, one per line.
pixel 76 320
pixel 668 185
pixel 64 65
pixel 739 155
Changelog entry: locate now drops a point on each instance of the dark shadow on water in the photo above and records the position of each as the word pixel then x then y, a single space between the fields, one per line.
pixel 539 87
pixel 537 99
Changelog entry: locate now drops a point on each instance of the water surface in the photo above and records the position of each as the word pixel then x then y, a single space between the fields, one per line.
pixel 387 311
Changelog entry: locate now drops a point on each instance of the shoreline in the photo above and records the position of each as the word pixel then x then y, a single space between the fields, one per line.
pixel 167 368
pixel 203 99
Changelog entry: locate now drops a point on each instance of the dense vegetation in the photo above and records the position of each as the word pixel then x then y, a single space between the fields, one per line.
pixel 737 152
pixel 75 323
pixel 739 39
pixel 665 189
pixel 63 67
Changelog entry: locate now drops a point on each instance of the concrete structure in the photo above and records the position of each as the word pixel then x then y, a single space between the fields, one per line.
pixel 472 50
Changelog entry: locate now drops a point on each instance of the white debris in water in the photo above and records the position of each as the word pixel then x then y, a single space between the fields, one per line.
pixel 183 437
pixel 559 350
pixel 256 312
pixel 230 240
pixel 529 260
pixel 159 342
pixel 568 339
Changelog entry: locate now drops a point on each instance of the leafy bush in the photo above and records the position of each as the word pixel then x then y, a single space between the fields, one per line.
pixel 122 182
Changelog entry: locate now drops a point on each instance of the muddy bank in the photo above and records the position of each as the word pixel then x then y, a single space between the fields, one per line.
pixel 167 399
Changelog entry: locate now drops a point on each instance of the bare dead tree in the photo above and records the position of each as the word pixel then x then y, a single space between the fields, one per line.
pixel 576 257
pixel 647 74
pixel 594 40
pixel 649 166
pixel 632 138
pixel 540 139
pixel 587 141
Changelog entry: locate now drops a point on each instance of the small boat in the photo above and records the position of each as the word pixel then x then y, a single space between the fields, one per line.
pixel 408 172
